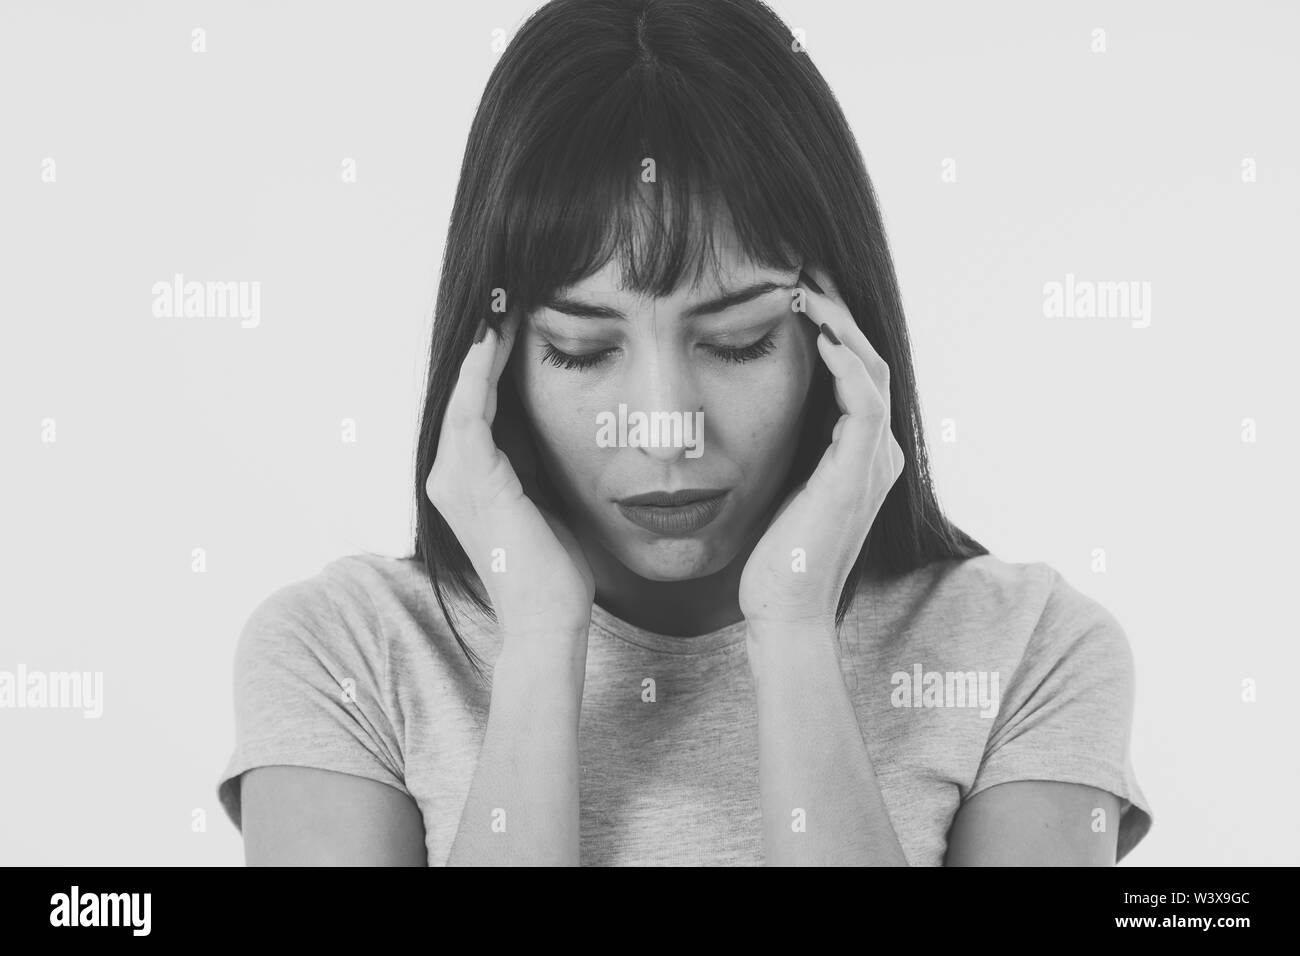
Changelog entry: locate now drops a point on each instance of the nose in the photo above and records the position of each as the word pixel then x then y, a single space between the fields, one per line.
pixel 660 379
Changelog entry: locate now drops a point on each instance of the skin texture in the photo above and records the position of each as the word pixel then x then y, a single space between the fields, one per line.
pixel 811 749
pixel 1035 823
pixel 661 361
pixel 301 816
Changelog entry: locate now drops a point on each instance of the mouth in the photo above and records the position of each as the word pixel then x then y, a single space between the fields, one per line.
pixel 673 499
pixel 676 513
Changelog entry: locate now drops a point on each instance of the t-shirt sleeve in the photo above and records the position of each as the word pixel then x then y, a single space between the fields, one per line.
pixel 1067 712
pixel 309 679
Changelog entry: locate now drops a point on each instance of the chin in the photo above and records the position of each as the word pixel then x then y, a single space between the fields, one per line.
pixel 672 559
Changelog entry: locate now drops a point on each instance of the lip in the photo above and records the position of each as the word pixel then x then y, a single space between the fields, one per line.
pixel 684 512
pixel 672 499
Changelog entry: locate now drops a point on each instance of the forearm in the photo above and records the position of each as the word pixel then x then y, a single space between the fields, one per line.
pixel 821 802
pixel 522 808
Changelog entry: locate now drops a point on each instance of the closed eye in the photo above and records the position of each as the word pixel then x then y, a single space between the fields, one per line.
pixel 734 355
pixel 564 360
pixel 745 353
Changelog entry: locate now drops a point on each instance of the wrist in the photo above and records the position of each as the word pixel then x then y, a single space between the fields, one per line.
pixel 549 655
pixel 534 694
pixel 545 626
pixel 785 647
pixel 787 629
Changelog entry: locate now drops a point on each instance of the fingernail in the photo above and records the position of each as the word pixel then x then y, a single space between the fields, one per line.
pixel 811 284
pixel 830 336
pixel 481 333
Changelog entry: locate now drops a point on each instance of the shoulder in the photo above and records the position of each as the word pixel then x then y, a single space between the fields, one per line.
pixel 312 681
pixel 1060 611
pixel 1025 615
pixel 995 585
pixel 984 594
pixel 331 615
pixel 367 612
pixel 348 590
pixel 1043 634
pixel 317 652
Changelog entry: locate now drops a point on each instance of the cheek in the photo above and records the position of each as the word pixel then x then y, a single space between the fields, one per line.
pixel 562 414
pixel 760 419
pixel 754 415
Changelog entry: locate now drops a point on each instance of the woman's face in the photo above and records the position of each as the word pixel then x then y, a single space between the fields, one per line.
pixel 735 373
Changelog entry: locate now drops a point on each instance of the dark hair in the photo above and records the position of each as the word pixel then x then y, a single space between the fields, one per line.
pixel 741 127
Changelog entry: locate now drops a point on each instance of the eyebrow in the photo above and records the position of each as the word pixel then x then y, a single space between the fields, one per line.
pixel 727 300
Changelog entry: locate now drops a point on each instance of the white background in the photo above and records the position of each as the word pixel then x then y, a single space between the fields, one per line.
pixel 1072 435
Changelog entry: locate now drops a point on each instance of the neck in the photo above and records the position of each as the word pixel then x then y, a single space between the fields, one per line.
pixel 682 609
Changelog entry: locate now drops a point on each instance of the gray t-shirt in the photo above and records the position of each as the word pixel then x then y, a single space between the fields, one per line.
pixel 964 675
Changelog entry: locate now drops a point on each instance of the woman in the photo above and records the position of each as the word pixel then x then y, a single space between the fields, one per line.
pixel 681 591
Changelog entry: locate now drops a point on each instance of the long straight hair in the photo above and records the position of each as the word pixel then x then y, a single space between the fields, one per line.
pixel 631 129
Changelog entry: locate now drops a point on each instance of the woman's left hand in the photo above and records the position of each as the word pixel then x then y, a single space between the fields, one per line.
pixel 797 570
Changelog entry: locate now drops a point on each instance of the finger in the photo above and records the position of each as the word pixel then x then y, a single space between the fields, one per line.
pixel 857 431
pixel 822 282
pixel 826 306
pixel 870 390
pixel 469 396
pixel 853 386
pixel 803 301
pixel 507 332
pixel 515 439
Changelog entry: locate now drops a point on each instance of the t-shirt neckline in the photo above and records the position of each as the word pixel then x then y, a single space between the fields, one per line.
pixel 725 637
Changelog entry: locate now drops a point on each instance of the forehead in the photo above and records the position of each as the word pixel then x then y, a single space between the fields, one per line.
pixel 725 266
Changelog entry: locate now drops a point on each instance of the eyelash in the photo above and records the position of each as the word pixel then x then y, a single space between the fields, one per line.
pixel 736 356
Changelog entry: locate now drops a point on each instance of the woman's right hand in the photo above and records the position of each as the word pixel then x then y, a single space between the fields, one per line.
pixel 539 582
